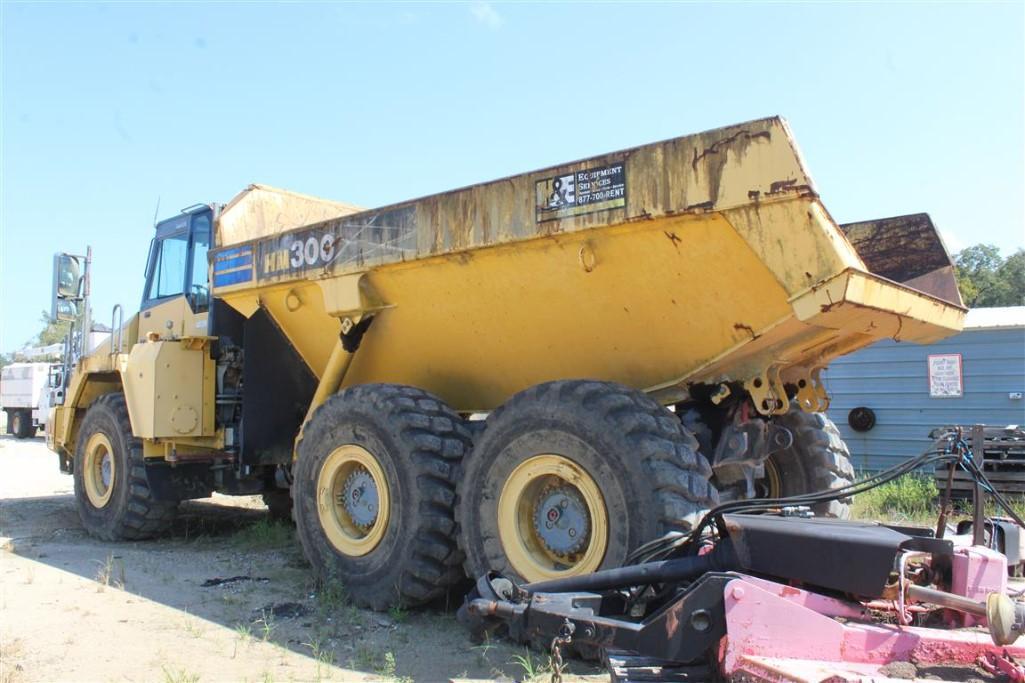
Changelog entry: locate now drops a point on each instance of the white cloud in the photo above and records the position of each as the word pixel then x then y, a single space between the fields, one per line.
pixel 486 14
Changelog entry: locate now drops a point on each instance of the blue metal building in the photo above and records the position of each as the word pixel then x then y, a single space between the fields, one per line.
pixel 977 376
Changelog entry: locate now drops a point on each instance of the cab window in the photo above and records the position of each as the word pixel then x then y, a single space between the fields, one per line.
pixel 177 262
pixel 169 264
pixel 199 288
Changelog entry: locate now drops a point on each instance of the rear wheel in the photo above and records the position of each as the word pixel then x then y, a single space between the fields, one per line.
pixel 21 424
pixel 570 476
pixel 374 488
pixel 817 460
pixel 112 492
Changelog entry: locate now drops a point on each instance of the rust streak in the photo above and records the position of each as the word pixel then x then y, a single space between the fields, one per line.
pixel 715 147
pixel 745 328
pixel 701 206
pixel 900 327
pixel 781 185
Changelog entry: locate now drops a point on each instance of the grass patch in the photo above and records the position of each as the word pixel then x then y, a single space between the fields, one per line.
pixel 533 669
pixel 912 496
pixel 324 657
pixel 264 534
pixel 915 498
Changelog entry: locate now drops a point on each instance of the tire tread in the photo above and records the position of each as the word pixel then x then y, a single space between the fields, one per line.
pixel 439 440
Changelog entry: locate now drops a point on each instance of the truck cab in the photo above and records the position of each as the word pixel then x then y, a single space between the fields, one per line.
pixel 176 296
pixel 161 400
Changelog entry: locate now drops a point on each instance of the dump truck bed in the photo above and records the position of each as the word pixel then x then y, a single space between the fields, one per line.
pixel 693 261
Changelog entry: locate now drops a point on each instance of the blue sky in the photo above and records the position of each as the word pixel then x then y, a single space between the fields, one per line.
pixel 106 108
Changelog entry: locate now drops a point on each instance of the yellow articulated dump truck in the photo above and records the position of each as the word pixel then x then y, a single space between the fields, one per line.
pixel 534 375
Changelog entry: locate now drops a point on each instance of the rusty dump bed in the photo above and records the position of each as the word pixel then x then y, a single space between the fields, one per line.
pixel 703 258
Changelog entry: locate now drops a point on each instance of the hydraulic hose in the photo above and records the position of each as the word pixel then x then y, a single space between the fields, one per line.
pixel 721 558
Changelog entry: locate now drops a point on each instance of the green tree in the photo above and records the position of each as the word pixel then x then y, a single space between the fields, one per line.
pixel 987 279
pixel 52 332
pixel 1012 274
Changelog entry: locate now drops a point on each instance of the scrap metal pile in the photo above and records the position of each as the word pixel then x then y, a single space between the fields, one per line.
pixel 760 591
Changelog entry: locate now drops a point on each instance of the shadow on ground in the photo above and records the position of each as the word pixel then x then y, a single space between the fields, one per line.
pixel 225 562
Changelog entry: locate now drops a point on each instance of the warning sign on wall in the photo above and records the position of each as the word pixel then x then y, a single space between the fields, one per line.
pixel 580 192
pixel 945 377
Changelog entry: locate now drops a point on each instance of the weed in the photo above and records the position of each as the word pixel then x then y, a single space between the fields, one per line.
pixel 105 575
pixel 397 614
pixel 331 598
pixel 179 676
pixel 354 615
pixel 483 648
pixel 366 658
pixel 192 627
pixel 264 534
pixel 532 668
pixel 323 657
pixel 265 624
pixel 387 665
pixel 244 632
pixel 11 651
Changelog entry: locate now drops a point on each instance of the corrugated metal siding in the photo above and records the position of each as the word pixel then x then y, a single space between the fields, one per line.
pixel 892 380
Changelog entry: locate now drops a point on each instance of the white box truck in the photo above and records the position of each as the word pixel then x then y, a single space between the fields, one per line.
pixel 25 397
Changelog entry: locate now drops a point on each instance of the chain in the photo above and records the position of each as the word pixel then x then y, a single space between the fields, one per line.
pixel 565 637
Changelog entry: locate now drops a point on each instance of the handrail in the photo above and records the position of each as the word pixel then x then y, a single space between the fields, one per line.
pixel 117 321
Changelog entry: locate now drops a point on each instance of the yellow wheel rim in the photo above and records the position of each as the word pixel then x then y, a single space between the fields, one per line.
pixel 542 503
pixel 98 469
pixel 353 500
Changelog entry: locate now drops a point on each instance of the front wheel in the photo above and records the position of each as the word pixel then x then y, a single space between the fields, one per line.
pixel 374 490
pixel 112 491
pixel 570 476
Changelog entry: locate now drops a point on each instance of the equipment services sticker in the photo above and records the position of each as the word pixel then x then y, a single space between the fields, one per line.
pixel 580 192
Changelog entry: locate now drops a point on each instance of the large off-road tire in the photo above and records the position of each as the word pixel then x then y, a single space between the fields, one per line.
pixel 113 495
pixel 818 460
pixel 374 491
pixel 21 424
pixel 577 453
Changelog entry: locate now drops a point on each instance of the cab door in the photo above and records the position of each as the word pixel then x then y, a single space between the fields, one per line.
pixel 176 299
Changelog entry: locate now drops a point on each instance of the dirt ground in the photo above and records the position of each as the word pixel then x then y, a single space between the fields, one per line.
pixel 76 609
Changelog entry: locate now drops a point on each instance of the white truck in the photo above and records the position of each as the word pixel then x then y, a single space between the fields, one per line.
pixel 25 396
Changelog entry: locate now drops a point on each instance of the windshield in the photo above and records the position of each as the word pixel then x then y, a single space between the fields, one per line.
pixel 170 261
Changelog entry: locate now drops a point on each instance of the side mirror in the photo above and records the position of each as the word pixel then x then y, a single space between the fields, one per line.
pixel 64 311
pixel 67 286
